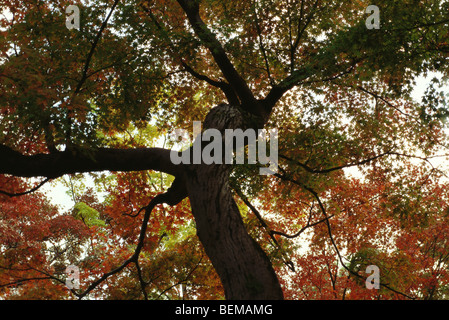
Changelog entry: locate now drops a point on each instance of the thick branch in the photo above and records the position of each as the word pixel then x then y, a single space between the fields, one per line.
pixel 225 87
pixel 77 161
pixel 191 8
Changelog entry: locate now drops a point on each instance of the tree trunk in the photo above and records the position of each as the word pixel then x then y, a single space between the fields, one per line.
pixel 243 267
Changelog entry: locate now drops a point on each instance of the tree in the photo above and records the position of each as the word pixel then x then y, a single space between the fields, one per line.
pixel 94 100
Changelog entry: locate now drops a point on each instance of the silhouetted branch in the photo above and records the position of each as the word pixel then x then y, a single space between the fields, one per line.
pixel 26 192
pixel 173 196
pixel 329 229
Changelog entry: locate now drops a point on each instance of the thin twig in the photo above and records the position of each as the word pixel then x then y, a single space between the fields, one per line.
pixel 323 210
pixel 26 192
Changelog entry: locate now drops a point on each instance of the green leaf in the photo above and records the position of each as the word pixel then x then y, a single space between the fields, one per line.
pixel 88 215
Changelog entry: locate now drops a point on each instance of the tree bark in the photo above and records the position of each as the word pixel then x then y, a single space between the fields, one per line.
pixel 56 164
pixel 243 267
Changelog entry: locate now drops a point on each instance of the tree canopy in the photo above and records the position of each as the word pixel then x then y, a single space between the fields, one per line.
pixel 362 171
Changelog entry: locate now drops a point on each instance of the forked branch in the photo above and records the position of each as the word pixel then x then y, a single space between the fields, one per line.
pixel 175 194
pixel 209 39
pixel 285 177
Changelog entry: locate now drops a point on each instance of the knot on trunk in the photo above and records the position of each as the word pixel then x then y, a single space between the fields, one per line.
pixel 225 116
